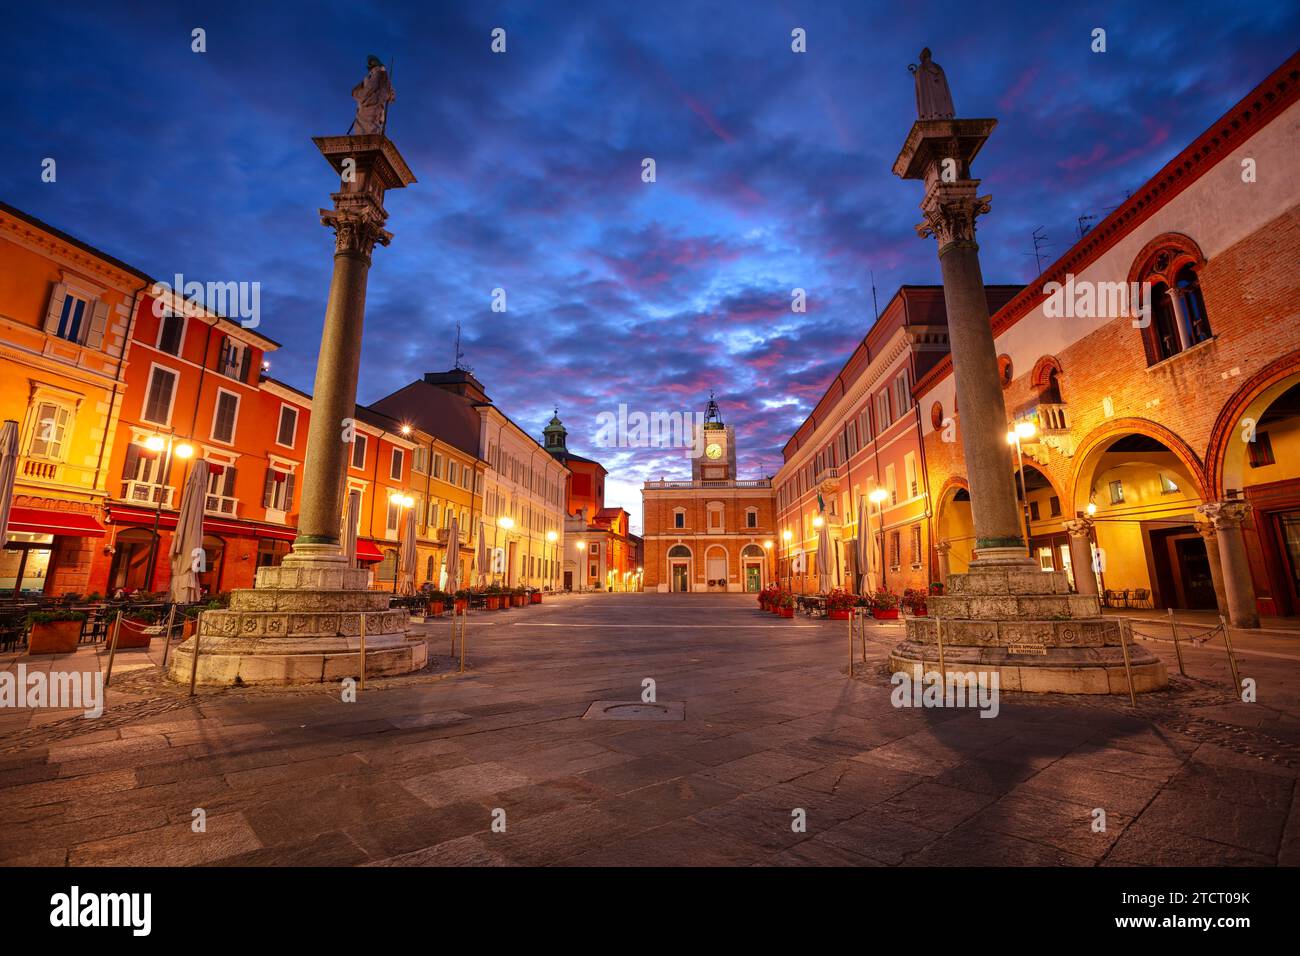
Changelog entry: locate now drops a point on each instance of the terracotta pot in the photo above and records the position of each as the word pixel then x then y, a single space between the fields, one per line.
pixel 890 614
pixel 462 605
pixel 133 633
pixel 786 612
pixel 56 637
pixel 537 597
pixel 518 600
pixel 839 615
pixel 493 602
pixel 436 608
pixel 188 628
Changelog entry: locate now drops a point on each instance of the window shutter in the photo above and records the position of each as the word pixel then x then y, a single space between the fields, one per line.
pixel 131 467
pixel 288 492
pixel 221 359
pixel 269 488
pixel 230 481
pixel 243 365
pixel 56 308
pixel 98 322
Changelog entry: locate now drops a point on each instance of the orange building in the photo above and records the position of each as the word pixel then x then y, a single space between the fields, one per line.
pixel 66 313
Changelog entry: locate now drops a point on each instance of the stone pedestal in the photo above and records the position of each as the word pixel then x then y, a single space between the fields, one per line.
pixel 301 625
pixel 1026 625
pixel 1227 517
pixel 1080 532
pixel 942 549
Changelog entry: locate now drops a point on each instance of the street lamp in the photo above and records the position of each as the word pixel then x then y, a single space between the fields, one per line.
pixel 877 497
pixel 183 451
pixel 1022 432
pixel 402 501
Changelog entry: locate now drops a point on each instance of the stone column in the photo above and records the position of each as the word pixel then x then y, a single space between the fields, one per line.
pixel 942 547
pixel 939 152
pixel 1181 318
pixel 1085 578
pixel 1238 588
pixel 368 165
pixel 1211 537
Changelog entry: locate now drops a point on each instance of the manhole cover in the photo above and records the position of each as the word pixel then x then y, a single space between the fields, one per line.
pixel 635 710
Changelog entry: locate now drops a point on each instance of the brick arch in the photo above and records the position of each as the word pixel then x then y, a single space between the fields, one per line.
pixel 1041 377
pixel 1185 248
pixel 1135 426
pixel 954 484
pixel 1226 425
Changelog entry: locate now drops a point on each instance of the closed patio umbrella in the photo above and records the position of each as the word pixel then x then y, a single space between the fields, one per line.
pixel 351 522
pixel 453 556
pixel 862 546
pixel 187 540
pixel 408 556
pixel 481 556
pixel 8 469
pixel 823 559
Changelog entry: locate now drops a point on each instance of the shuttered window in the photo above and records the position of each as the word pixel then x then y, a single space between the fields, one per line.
pixel 158 401
pixel 224 416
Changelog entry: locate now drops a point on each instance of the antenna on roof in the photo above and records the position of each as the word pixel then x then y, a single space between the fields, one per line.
pixel 875 308
pixel 460 354
pixel 1040 243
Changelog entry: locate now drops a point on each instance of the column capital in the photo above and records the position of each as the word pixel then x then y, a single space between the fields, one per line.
pixel 357 226
pixel 1223 515
pixel 950 211
pixel 1080 527
pixel 943 546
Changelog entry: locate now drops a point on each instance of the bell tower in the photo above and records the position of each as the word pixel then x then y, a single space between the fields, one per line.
pixel 714 448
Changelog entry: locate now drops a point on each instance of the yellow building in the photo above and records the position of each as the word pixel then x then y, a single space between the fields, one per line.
pixel 66 312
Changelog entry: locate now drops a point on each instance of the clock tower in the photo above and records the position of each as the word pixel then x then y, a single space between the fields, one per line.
pixel 716 443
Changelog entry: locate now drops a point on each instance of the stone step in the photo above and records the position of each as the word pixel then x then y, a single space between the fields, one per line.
pixel 1008 581
pixel 292 577
pixel 307 599
pixel 1094 632
pixel 301 624
pixel 1004 606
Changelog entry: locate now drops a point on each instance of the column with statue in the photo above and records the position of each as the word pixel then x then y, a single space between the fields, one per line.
pixel 303 622
pixel 1003 614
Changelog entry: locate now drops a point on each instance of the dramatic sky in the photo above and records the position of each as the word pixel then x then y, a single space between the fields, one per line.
pixel 773 172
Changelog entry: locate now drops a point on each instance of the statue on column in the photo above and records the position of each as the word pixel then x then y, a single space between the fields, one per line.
pixel 933 98
pixel 373 94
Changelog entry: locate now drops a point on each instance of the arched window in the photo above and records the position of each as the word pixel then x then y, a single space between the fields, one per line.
pixel 1167 273
pixel 679 551
pixel 752 551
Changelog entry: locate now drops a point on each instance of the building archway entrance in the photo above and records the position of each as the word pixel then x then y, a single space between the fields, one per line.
pixel 679 568
pixel 753 560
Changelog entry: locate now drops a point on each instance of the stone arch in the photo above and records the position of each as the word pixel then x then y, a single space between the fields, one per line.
pixel 1249 401
pixel 1096 442
pixel 713 554
pixel 1183 248
pixel 953 523
pixel 1041 377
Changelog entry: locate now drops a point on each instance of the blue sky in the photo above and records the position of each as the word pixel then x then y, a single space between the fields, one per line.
pixel 773 172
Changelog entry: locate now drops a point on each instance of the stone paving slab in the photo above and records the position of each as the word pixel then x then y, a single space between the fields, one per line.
pixel 417 770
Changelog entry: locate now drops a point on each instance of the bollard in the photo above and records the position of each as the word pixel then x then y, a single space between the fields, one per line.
pixel 363 651
pixel 850 643
pixel 938 637
pixel 1178 650
pixel 1125 632
pixel 1232 658
pixel 462 647
pixel 194 663
pixel 167 634
pixel 112 650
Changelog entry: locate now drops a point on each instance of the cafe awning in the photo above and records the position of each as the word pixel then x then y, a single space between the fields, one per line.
pixel 42 521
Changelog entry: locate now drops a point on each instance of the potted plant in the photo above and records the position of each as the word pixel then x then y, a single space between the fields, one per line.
pixel 518 597
pixel 839 604
pixel 884 605
pixel 191 616
pixel 785 604
pixel 536 597
pixel 492 596
pixel 135 625
pixel 460 600
pixel 915 600
pixel 936 588
pixel 54 632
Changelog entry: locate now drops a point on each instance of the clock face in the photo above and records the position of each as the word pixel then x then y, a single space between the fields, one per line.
pixel 714 451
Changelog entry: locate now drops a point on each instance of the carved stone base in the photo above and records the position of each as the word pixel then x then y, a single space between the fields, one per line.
pixel 301 625
pixel 1026 625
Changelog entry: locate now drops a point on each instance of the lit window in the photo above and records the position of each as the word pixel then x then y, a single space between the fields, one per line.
pixel 1167 484
pixel 50 433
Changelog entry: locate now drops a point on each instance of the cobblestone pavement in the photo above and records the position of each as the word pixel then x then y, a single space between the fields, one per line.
pixel 419 768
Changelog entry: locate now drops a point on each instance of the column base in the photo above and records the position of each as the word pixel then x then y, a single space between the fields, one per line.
pixel 1025 625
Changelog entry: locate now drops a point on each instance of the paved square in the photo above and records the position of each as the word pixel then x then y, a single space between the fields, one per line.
pixel 778 758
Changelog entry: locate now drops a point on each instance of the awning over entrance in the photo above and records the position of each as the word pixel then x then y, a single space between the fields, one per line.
pixel 367 550
pixel 42 521
pixel 119 514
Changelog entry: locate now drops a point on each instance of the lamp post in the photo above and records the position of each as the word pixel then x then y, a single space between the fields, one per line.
pixel 402 501
pixel 183 451
pixel 877 497
pixel 1022 431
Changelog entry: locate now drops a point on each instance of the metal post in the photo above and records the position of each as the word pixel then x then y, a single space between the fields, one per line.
pixel 938 638
pixel 112 650
pixel 167 634
pixel 363 650
pixel 1125 632
pixel 194 663
pixel 1178 650
pixel 1232 658
pixel 850 643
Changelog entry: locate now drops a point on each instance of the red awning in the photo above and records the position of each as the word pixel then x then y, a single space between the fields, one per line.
pixel 118 514
pixel 41 521
pixel 367 550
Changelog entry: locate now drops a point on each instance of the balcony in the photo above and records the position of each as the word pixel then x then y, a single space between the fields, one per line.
pixel 1054 429
pixel 37 470
pixel 756 483
pixel 828 479
pixel 148 493
pixel 222 505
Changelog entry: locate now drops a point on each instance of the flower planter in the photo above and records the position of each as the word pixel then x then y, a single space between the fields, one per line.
pixel 839 615
pixel 885 614
pixel 436 608
pixel 517 600
pixel 537 597
pixel 189 627
pixel 54 637
pixel 919 612
pixel 133 633
pixel 461 605
pixel 785 611
pixel 493 602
